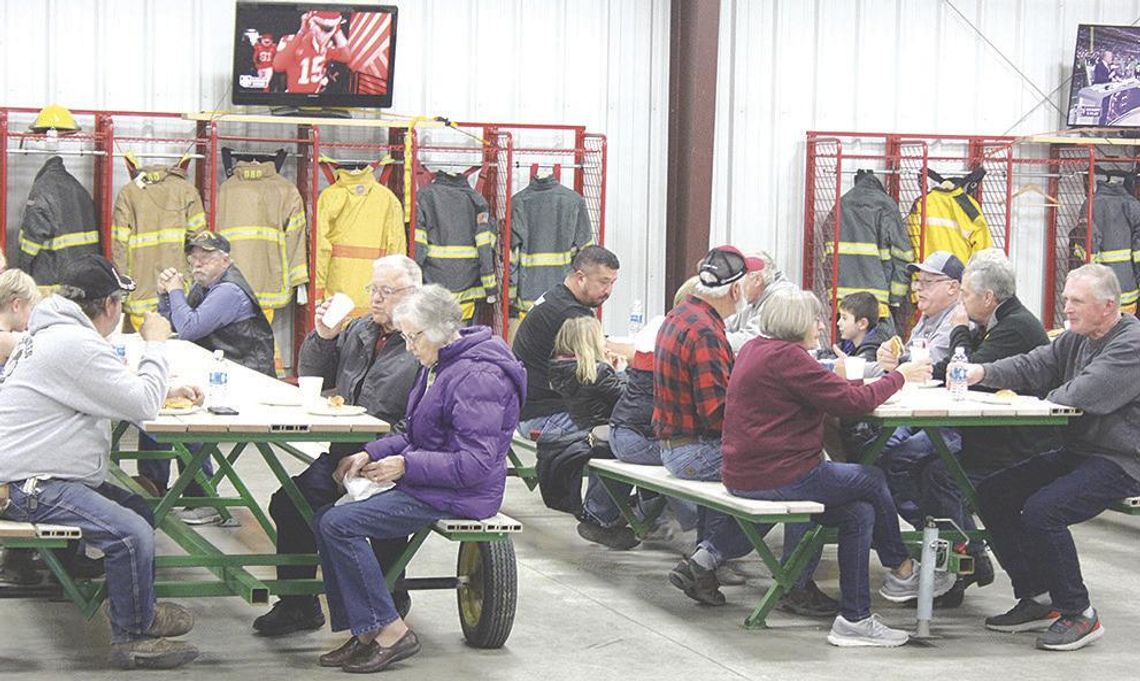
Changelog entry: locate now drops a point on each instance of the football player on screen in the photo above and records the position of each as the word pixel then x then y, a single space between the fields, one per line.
pixel 305 55
pixel 263 52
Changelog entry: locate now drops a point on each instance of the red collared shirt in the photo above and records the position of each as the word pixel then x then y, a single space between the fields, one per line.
pixel 691 364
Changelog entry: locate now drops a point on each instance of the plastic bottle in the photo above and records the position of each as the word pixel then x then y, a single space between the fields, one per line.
pixel 218 393
pixel 636 317
pixel 956 375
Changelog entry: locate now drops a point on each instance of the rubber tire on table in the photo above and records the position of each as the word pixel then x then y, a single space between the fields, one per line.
pixel 487 601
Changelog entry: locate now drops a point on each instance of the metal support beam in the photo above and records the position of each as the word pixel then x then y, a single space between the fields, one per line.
pixel 692 111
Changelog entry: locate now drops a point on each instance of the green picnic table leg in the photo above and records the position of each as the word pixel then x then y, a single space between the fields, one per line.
pixel 640 526
pixel 401 563
pixel 286 481
pixel 784 576
pixel 193 467
pixel 88 603
pixel 226 468
pixel 525 473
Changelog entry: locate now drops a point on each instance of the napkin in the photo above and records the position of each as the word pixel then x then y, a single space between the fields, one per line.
pixel 359 489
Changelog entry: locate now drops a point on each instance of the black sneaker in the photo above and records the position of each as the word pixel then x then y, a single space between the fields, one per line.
pixel 1027 615
pixel 809 602
pixel 290 615
pixel 983 574
pixel 619 538
pixel 699 584
pixel 1071 632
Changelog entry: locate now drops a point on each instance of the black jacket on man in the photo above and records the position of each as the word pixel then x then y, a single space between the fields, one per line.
pixel 248 342
pixel 1015 332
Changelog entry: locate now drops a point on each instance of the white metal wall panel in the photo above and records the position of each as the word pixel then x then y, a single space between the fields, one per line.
pixel 599 63
pixel 787 66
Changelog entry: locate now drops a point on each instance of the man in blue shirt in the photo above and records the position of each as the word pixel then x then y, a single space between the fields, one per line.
pixel 221 311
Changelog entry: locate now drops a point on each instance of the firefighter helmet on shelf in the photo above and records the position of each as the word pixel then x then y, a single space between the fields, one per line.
pixel 54 116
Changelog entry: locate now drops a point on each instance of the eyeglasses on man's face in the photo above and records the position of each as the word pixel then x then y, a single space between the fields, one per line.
pixel 926 282
pixel 383 292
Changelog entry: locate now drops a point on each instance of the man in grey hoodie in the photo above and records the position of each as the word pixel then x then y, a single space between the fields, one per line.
pixel 763 279
pixel 62 388
pixel 1028 508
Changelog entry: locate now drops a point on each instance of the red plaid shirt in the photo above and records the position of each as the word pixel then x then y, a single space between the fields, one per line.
pixel 691 364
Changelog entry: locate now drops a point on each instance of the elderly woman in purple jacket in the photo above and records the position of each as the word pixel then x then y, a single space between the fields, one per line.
pixel 450 462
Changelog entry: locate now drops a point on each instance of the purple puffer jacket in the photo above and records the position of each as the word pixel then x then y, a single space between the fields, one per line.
pixel 459 429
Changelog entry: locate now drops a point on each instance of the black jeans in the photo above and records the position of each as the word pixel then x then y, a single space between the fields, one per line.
pixel 295 536
pixel 1028 509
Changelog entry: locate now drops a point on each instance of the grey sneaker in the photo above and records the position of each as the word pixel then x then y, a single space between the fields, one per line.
pixel 867 632
pixel 1071 632
pixel 898 590
pixel 1027 615
pixel 152 653
pixel 200 515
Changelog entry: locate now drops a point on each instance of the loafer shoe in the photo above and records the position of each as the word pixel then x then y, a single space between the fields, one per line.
pixel 377 657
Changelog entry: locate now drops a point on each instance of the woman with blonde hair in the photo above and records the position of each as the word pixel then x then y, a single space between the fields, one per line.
pixel 590 387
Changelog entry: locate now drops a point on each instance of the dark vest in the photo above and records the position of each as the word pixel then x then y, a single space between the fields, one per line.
pixel 248 342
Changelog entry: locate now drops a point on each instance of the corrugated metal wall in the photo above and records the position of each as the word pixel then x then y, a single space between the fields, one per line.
pixel 914 66
pixel 599 63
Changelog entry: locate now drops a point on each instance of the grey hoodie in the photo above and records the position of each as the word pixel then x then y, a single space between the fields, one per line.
pixel 62 387
pixel 745 325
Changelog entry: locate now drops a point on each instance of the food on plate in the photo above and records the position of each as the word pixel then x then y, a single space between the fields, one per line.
pixel 178 403
pixel 895 345
pixel 336 401
pixel 1007 395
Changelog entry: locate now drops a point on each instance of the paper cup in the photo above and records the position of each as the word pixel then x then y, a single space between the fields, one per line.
pixel 339 307
pixel 854 367
pixel 310 390
pixel 919 354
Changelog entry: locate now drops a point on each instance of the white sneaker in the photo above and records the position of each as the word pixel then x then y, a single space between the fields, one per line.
pixel 199 515
pixel 899 590
pixel 867 632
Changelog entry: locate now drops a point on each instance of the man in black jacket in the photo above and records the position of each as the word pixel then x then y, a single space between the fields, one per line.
pixel 1004 327
pixel 370 366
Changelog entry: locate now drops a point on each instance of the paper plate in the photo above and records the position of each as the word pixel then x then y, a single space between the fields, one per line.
pixel 987 398
pixel 179 412
pixel 346 410
pixel 932 383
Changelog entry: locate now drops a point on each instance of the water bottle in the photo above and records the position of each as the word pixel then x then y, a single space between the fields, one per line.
pixel 636 317
pixel 956 375
pixel 218 395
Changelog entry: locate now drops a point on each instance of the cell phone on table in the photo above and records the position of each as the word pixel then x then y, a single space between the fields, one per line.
pixel 222 411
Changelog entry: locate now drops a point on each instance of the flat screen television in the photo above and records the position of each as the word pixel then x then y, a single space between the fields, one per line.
pixel 1105 90
pixel 293 54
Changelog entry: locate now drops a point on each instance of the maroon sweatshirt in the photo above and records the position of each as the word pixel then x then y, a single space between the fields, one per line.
pixel 773 416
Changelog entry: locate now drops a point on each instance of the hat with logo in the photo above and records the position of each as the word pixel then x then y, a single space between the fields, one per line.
pixel 726 264
pixel 208 241
pixel 95 276
pixel 940 262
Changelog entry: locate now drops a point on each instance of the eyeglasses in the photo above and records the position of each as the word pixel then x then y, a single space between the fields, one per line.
pixel 923 283
pixel 384 291
pixel 410 339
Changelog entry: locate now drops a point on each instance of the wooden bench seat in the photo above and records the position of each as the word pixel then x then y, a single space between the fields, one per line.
pixel 10 529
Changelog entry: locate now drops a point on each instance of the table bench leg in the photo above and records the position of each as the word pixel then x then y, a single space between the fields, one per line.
pixel 640 526
pixel 527 474
pixel 783 576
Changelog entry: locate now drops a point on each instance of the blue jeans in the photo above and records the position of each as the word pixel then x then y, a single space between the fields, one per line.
pixel 158 470
pixel 1028 509
pixel 354 583
pixel 859 504
pixel 630 446
pixel 551 426
pixel 918 479
pixel 113 520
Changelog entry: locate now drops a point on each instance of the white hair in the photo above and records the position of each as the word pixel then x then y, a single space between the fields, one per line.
pixel 991 270
pixel 770 271
pixel 789 314
pixel 404 264
pixel 434 309
pixel 1105 285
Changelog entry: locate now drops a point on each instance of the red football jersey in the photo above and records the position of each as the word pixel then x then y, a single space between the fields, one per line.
pixel 304 63
pixel 263 56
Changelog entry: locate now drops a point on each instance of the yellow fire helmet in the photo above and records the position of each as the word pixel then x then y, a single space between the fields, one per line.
pixel 54 116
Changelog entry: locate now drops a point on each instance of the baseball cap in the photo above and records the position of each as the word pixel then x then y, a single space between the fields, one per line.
pixel 726 264
pixel 208 241
pixel 940 262
pixel 95 276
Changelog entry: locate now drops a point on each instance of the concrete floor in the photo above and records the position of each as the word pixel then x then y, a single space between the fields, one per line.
pixel 591 613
